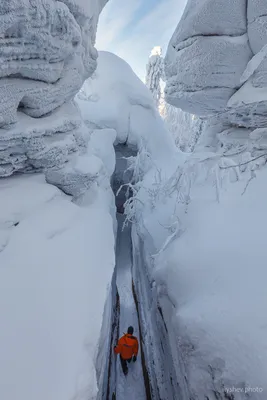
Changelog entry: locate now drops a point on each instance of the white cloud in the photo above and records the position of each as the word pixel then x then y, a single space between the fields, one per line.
pixel 114 18
pixel 154 29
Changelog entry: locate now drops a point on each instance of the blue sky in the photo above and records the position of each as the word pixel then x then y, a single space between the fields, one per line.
pixel 131 28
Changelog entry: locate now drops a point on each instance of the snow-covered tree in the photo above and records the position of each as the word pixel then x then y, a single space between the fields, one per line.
pixel 154 74
pixel 185 128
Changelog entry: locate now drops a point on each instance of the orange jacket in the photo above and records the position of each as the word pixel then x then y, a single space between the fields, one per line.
pixel 127 346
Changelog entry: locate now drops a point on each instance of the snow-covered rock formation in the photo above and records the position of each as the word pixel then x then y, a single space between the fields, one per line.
pixel 207 55
pixel 216 62
pixel 47 51
pixel 53 270
pixel 216 68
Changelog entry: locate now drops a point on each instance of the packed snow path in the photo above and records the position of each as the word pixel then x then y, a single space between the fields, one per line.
pixel 132 386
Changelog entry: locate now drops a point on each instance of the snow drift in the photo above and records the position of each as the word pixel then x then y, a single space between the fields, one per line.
pixel 116 98
pixel 53 285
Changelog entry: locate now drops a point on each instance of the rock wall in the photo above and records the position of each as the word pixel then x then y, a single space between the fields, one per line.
pixel 46 53
pixel 216 67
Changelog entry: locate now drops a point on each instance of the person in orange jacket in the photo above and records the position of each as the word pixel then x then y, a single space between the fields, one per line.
pixel 127 348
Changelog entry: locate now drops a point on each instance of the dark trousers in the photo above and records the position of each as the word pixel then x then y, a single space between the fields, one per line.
pixel 124 364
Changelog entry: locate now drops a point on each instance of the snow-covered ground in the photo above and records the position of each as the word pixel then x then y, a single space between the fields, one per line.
pixel 54 274
pixel 215 273
pixel 204 241
pixel 53 284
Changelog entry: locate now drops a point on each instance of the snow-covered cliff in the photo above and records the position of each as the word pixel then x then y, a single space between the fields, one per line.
pixel 216 68
pixel 207 55
pixel 53 270
pixel 216 61
pixel 47 51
